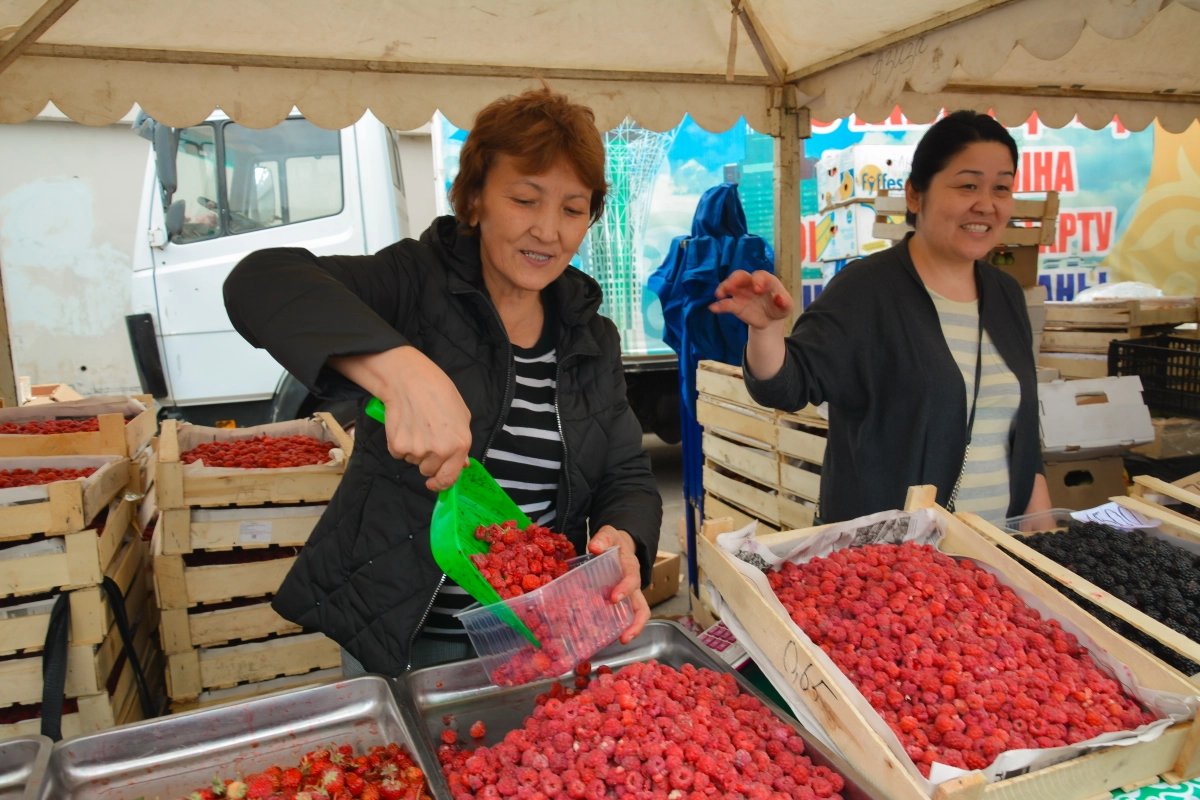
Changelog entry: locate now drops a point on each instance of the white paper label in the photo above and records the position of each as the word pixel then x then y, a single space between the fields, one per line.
pixel 1117 516
pixel 256 531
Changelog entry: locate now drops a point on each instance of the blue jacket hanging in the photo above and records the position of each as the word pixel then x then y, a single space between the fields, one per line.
pixel 685 284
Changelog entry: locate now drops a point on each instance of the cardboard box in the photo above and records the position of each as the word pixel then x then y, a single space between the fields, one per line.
pixel 847 232
pixel 1092 418
pixel 1077 485
pixel 1024 267
pixel 862 172
pixel 664 578
pixel 1046 374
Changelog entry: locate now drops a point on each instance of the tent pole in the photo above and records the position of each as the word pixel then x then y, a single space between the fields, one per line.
pixel 8 378
pixel 789 126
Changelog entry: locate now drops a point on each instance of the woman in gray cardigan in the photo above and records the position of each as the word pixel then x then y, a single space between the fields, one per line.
pixel 923 351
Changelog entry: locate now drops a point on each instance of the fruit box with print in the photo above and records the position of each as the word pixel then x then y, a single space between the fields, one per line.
pixel 861 172
pixel 1169 747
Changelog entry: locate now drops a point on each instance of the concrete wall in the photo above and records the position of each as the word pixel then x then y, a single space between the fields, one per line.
pixel 69 199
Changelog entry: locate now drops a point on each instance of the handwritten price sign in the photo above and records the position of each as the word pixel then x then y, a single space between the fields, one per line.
pixel 796 669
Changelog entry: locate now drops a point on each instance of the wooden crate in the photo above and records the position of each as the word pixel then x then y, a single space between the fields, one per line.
pixel 1175 754
pixel 142 467
pixel 1110 603
pixel 67 506
pixel 88 666
pixel 1080 368
pixel 84 558
pixel 758 464
pixel 182 630
pixel 723 384
pixel 189 674
pixel 104 710
pixel 185 530
pixel 115 437
pixel 175 489
pixel 1121 315
pixel 177 585
pixel 764 503
pixel 91 615
pixel 246 691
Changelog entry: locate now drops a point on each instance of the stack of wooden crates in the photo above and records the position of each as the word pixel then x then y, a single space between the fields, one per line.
pixel 759 463
pixel 67 537
pixel 1077 335
pixel 224 542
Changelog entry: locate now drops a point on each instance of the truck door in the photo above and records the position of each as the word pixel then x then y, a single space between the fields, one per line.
pixel 245 190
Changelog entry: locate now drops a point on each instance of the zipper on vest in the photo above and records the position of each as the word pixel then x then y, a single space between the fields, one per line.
pixel 413 639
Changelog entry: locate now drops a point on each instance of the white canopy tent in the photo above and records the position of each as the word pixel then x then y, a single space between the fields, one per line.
pixel 774 62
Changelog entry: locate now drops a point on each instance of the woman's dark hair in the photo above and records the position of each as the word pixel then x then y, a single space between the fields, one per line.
pixel 535 128
pixel 947 138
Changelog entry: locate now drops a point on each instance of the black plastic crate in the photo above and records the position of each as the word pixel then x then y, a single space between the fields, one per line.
pixel 1169 367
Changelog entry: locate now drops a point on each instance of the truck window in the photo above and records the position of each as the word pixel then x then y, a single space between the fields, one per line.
pixel 282 175
pixel 196 170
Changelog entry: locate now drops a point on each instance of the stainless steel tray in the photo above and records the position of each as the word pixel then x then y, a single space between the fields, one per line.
pixel 430 696
pixel 22 765
pixel 171 756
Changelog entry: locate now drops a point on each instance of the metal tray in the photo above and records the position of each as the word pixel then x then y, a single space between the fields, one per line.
pixel 22 765
pixel 171 756
pixel 430 696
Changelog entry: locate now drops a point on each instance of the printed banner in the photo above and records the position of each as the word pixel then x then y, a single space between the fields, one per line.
pixel 1129 203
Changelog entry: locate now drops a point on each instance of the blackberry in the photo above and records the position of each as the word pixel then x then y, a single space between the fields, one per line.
pixel 1146 572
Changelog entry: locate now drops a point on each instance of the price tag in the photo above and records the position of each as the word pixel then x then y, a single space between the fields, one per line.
pixel 255 532
pixel 1116 516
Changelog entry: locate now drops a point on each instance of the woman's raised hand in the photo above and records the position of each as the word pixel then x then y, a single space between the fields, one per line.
pixel 427 422
pixel 757 300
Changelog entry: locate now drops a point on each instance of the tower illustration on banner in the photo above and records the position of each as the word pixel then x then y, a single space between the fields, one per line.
pixel 612 252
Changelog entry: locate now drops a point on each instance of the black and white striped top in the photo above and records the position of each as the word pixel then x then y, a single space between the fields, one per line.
pixel 525 458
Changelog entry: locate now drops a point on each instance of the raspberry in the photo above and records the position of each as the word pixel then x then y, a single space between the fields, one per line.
pixel 945 651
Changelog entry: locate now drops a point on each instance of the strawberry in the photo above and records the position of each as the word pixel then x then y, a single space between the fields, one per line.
pixel 354 784
pixel 290 782
pixel 235 790
pixel 478 730
pixel 346 751
pixel 332 780
pixel 203 794
pixel 391 789
pixel 259 787
pixel 370 792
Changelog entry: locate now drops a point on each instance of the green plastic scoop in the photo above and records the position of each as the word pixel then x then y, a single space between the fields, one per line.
pixel 475 499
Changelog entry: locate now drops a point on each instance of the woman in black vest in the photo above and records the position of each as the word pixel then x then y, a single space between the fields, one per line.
pixel 923 351
pixel 481 340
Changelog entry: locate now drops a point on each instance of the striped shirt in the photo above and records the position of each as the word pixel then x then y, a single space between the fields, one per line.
pixel 524 457
pixel 985 486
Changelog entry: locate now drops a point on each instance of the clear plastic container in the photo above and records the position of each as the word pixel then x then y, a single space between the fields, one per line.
pixel 572 616
pixel 1054 519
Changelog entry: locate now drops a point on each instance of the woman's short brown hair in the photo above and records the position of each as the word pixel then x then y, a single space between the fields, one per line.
pixel 536 128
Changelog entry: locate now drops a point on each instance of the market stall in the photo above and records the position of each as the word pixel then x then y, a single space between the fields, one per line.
pixel 777 64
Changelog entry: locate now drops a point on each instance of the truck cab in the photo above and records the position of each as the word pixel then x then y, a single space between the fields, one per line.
pixel 214 193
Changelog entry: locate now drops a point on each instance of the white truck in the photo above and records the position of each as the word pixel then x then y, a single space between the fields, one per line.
pixel 291 185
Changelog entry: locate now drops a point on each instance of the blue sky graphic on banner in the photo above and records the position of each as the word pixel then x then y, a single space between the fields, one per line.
pixel 657 180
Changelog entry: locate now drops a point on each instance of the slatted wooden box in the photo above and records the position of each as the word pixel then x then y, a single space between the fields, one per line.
pixel 182 486
pixel 89 666
pixel 1175 754
pixel 63 506
pixel 23 625
pixel 186 530
pixel 205 669
pixel 1014 544
pixel 69 561
pixel 116 436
